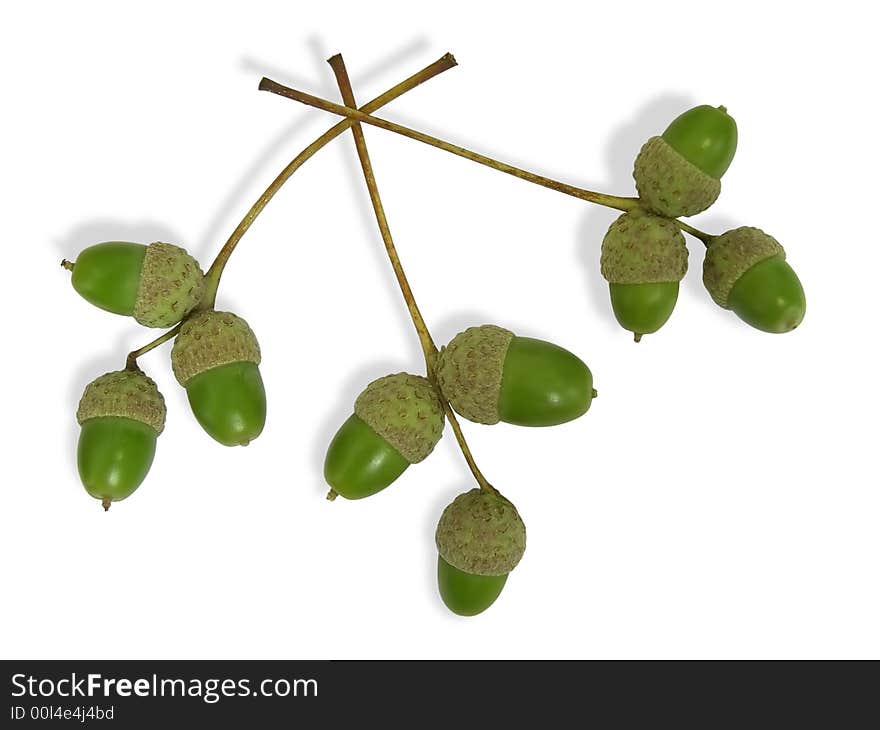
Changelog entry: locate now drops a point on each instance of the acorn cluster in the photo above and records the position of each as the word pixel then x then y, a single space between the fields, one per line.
pixel 644 256
pixel 486 374
pixel 215 357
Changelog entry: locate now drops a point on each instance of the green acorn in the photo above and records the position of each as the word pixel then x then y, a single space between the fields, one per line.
pixel 745 270
pixel 157 284
pixel 216 357
pixel 679 173
pixel 480 539
pixel 121 414
pixel 488 374
pixel 397 421
pixel 644 257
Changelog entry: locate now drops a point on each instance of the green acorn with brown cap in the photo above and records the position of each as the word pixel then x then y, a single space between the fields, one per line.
pixel 644 257
pixel 745 270
pixel 397 421
pixel 679 173
pixel 121 414
pixel 488 374
pixel 158 284
pixel 216 357
pixel 480 538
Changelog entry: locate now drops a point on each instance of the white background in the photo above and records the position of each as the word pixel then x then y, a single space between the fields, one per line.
pixel 720 498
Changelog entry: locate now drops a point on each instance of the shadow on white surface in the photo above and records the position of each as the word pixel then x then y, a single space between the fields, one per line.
pixel 109 229
pixel 621 150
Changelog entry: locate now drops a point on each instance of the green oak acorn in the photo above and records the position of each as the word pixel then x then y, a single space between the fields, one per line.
pixel 745 271
pixel 488 375
pixel 643 258
pixel 216 358
pixel 480 539
pixel 158 284
pixel 466 594
pixel 121 414
pixel 397 421
pixel 679 173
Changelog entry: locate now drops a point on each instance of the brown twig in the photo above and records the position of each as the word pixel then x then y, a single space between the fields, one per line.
pixel 428 347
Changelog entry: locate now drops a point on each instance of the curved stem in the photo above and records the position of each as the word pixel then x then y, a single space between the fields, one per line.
pixel 706 238
pixel 610 201
pixel 428 347
pixel 131 360
pixel 215 272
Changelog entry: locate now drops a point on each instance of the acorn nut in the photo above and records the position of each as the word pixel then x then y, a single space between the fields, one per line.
pixel 488 374
pixel 216 358
pixel 480 538
pixel 157 284
pixel 397 421
pixel 745 271
pixel 121 414
pixel 644 257
pixel 679 173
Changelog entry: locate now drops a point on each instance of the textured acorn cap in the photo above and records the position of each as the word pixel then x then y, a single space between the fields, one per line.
pixel 123 394
pixel 405 410
pixel 469 371
pixel 641 248
pixel 171 285
pixel 209 339
pixel 481 534
pixel 733 253
pixel 670 185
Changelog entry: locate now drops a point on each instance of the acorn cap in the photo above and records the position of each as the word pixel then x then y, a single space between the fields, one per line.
pixel 170 287
pixel 669 184
pixel 123 394
pixel 469 371
pixel 481 534
pixel 209 339
pixel 641 248
pixel 405 410
pixel 733 253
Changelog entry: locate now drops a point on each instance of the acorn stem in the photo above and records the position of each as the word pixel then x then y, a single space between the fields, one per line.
pixel 215 272
pixel 65 264
pixel 610 201
pixel 427 342
pixel 706 238
pixel 131 360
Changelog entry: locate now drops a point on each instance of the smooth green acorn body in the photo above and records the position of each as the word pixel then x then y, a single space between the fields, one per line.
pixel 480 539
pixel 114 456
pixel 769 296
pixel 216 358
pixel 745 270
pixel 466 594
pixel 543 384
pixel 108 275
pixel 229 402
pixel 158 284
pixel 359 462
pixel 120 413
pixel 644 256
pixel 643 308
pixel 705 136
pixel 397 421
pixel 488 374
